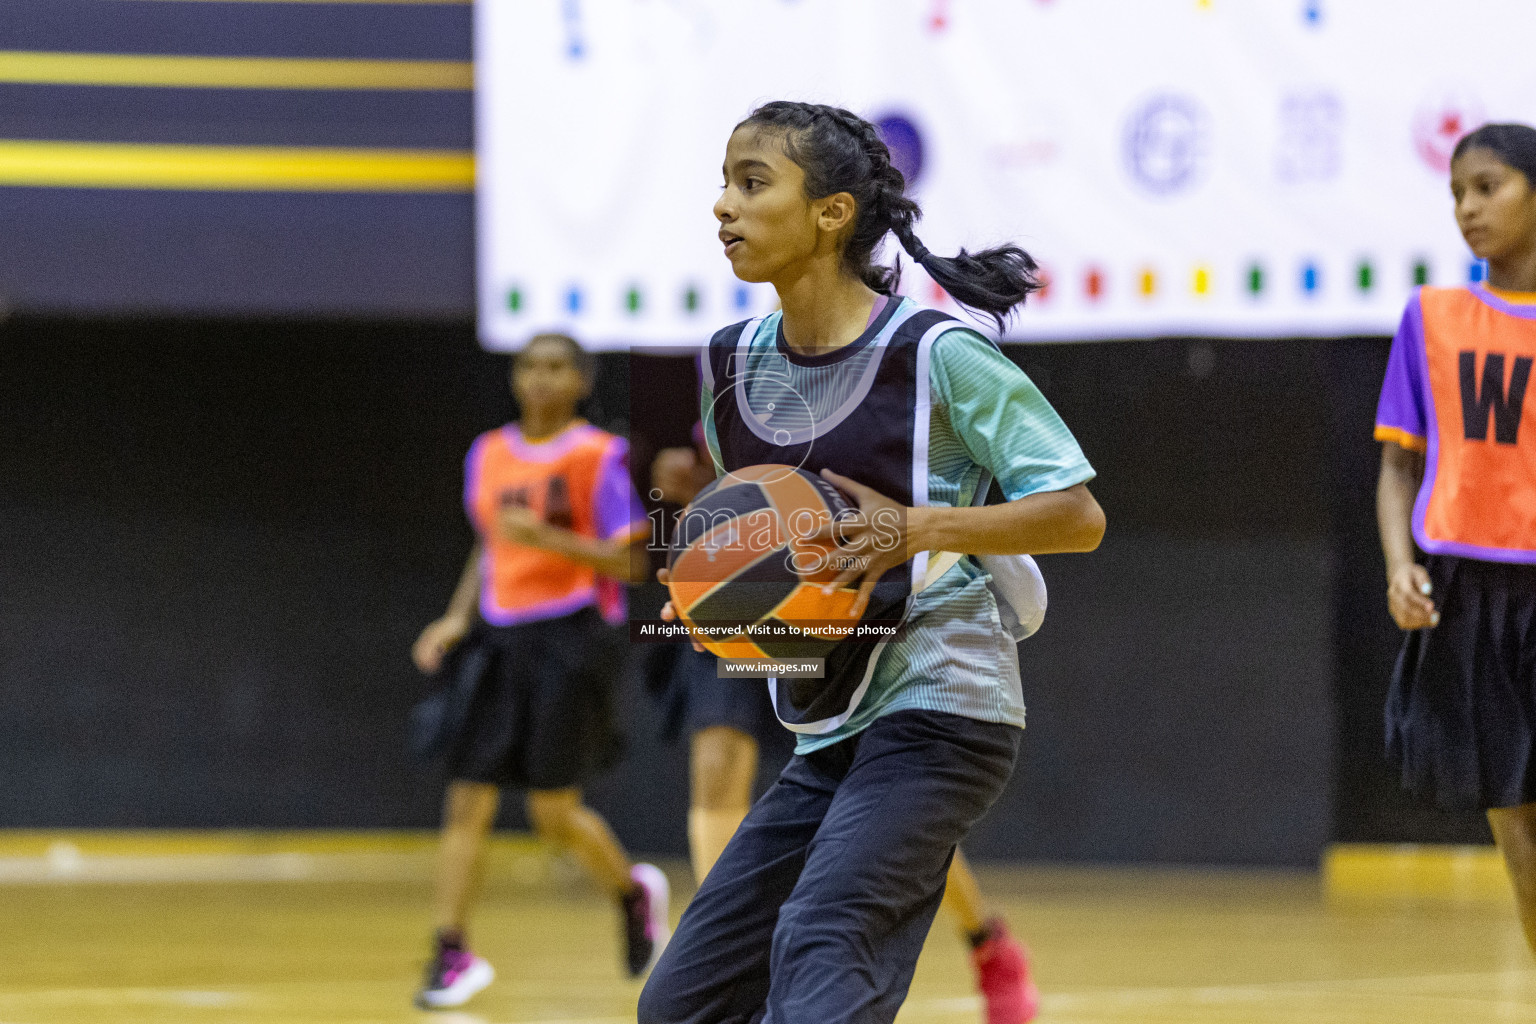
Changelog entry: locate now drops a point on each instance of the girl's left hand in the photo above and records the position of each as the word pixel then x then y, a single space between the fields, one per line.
pixel 869 543
pixel 518 525
pixel 668 613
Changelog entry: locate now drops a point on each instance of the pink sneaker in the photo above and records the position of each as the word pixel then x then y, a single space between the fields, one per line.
pixel 1002 976
pixel 645 919
pixel 453 976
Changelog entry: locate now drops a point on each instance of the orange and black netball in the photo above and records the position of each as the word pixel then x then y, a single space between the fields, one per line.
pixel 747 575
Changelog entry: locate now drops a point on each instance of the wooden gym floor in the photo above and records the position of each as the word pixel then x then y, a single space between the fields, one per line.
pixel 258 929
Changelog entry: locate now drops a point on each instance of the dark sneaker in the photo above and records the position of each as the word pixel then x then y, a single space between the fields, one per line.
pixel 645 919
pixel 453 976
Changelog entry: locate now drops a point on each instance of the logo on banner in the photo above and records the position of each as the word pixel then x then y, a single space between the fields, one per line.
pixel 575 42
pixel 1439 124
pixel 1167 144
pixel 1311 137
pixel 905 142
pixel 938 16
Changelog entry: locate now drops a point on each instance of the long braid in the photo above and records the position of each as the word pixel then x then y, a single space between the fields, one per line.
pixel 887 208
pixel 841 152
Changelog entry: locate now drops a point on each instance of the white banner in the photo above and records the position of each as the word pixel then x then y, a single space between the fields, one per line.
pixel 1210 167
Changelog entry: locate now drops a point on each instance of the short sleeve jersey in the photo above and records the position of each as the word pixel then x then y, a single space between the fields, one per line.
pixel 987 418
pixel 1457 390
pixel 578 479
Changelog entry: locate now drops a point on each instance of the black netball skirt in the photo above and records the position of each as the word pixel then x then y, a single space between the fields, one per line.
pixel 1461 713
pixel 542 715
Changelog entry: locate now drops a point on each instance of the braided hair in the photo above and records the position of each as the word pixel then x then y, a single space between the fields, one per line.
pixel 841 152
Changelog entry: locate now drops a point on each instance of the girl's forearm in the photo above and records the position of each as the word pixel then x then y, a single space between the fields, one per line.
pixel 1040 524
pixel 618 559
pixel 1396 489
pixel 467 593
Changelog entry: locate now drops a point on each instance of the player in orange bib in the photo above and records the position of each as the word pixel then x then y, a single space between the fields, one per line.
pixel 559 525
pixel 1458 476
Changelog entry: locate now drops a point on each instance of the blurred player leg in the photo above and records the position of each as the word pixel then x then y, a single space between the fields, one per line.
pixel 562 820
pixel 455 974
pixel 1001 963
pixel 469 810
pixel 1514 829
pixel 723 766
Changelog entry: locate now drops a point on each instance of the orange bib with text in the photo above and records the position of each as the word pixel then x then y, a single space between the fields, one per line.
pixel 1479 495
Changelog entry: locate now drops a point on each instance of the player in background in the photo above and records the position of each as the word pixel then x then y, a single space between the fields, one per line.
pixel 728 721
pixel 818 907
pixel 558 526
pixel 1458 476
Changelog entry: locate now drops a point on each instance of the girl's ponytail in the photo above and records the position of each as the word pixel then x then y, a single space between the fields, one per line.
pixel 992 281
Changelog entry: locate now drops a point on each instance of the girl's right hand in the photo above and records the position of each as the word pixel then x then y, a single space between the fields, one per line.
pixel 1408 590
pixel 668 613
pixel 437 640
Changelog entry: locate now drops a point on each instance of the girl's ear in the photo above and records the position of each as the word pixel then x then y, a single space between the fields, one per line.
pixel 838 212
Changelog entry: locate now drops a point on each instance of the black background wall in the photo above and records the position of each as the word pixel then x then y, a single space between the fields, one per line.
pixel 218 540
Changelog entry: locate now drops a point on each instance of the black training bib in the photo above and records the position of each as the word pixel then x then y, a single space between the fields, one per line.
pixel 879 437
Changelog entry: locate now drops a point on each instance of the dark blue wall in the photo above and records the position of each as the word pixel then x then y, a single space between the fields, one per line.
pixel 234 253
pixel 404 31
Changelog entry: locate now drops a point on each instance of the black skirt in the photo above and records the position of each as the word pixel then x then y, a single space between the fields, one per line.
pixel 1461 713
pixel 542 715
pixel 742 704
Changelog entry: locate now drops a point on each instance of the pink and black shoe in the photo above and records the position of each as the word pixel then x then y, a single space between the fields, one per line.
pixel 454 975
pixel 645 919
pixel 1002 975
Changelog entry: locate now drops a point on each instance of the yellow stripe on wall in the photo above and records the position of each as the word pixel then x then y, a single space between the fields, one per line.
pixel 233 168
pixel 174 71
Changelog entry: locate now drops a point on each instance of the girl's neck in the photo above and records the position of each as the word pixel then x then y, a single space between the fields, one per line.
pixel 824 309
pixel 537 424
pixel 1514 273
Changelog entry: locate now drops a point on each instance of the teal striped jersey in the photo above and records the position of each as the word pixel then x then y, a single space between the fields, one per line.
pixel 987 418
